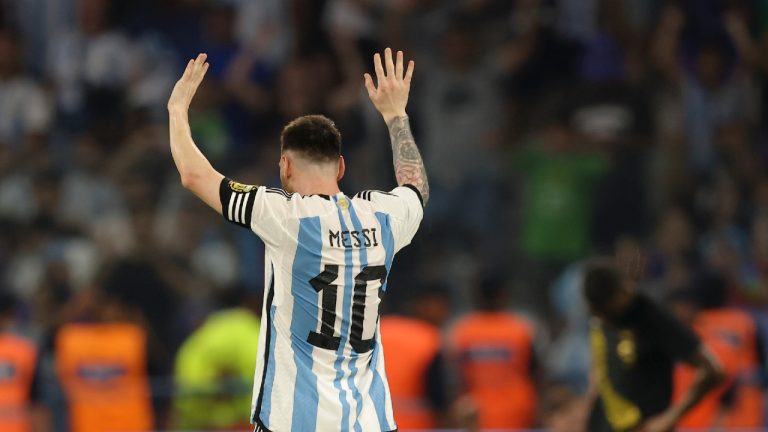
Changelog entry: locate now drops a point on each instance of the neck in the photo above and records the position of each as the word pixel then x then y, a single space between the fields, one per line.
pixel 315 186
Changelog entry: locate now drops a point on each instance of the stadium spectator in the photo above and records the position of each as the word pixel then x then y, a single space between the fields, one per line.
pixel 493 350
pixel 21 389
pixel 634 342
pixel 214 368
pixel 102 365
pixel 732 335
pixel 415 362
pixel 559 177
pixel 753 286
pixel 567 356
pixel 690 48
pixel 460 110
pixel 89 200
pixel 25 112
pixel 672 251
pixel 708 413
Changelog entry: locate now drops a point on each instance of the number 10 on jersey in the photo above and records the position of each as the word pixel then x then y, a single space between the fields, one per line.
pixel 323 284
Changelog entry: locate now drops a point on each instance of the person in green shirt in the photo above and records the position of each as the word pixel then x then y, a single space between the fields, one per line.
pixel 558 181
pixel 213 371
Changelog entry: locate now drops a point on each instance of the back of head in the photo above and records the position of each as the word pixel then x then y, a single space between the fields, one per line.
pixel 314 137
pixel 601 282
pixel 490 294
pixel 7 304
pixel 712 290
pixel 430 302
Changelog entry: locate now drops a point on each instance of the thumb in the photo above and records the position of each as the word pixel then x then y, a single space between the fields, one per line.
pixel 369 85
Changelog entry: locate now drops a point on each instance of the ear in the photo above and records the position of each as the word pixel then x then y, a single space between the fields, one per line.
pixel 285 162
pixel 342 169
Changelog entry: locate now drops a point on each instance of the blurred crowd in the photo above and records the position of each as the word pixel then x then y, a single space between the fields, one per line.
pixel 551 129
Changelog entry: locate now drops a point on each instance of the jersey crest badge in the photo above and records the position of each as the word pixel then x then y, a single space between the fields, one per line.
pixel 239 187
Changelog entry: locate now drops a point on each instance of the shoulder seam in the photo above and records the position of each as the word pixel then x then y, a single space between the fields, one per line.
pixel 279 192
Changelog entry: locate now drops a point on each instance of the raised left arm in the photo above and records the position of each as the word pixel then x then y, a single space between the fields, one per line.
pixel 196 172
pixel 390 98
pixel 409 168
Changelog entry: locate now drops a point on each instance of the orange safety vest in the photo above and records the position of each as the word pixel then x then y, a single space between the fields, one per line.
pixel 730 335
pixel 18 358
pixel 102 368
pixel 494 354
pixel 410 345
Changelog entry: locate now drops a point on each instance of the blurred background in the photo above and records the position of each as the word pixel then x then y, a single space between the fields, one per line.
pixel 552 130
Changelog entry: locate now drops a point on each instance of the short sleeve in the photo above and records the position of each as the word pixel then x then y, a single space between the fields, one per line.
pixel 677 340
pixel 404 205
pixel 258 208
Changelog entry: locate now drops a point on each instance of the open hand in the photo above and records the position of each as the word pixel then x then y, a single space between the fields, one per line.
pixel 391 95
pixel 185 88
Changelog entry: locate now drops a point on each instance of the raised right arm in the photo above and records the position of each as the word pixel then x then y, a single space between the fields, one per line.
pixel 196 172
pixel 391 98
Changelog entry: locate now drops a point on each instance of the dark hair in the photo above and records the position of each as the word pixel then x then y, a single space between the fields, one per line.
pixel 7 303
pixel 711 289
pixel 429 290
pixel 490 292
pixel 601 282
pixel 315 136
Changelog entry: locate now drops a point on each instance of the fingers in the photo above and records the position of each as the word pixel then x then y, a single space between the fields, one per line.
pixel 394 70
pixel 390 65
pixel 188 69
pixel 201 66
pixel 409 73
pixel 369 85
pixel 196 67
pixel 379 68
pixel 399 66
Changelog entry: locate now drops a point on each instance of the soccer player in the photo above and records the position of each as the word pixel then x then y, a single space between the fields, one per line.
pixel 320 364
pixel 635 344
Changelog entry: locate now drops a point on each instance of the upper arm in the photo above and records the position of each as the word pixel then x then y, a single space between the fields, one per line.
pixel 404 206
pixel 258 208
pixel 206 187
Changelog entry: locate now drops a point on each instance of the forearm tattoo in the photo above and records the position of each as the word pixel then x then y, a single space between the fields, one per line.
pixel 409 168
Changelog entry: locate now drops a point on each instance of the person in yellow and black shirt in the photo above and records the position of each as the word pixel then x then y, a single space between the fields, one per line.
pixel 635 344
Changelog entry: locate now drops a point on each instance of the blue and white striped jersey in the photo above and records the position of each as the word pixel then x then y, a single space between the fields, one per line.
pixel 321 364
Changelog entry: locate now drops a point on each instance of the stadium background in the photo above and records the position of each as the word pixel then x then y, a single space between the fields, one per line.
pixel 552 130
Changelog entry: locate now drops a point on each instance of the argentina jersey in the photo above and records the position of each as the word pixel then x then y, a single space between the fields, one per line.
pixel 320 364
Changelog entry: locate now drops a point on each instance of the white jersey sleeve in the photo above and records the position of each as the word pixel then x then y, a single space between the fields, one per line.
pixel 404 205
pixel 258 208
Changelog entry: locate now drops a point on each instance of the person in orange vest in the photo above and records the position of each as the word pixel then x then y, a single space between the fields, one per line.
pixel 21 408
pixel 414 361
pixel 494 353
pixel 707 413
pixel 101 363
pixel 732 336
